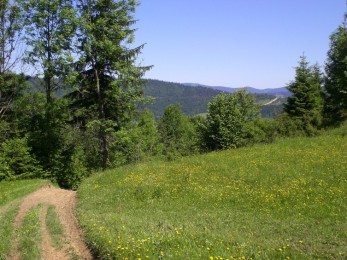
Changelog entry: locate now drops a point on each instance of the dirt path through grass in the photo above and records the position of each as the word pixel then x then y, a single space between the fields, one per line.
pixel 271 101
pixel 65 204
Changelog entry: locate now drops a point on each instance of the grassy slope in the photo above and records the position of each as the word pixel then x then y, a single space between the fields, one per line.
pixel 287 199
pixel 11 190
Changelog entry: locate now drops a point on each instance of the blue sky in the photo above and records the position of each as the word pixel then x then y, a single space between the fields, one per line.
pixel 234 43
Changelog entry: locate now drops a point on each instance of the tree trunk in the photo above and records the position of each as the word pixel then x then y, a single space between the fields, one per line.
pixel 3 39
pixel 102 133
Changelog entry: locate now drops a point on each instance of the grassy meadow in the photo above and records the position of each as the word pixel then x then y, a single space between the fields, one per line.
pixel 13 190
pixel 286 200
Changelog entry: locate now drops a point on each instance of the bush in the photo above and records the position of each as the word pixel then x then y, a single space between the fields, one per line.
pixel 70 161
pixel 5 171
pixel 5 130
pixel 136 143
pixel 230 119
pixel 200 124
pixel 17 162
pixel 263 130
pixel 70 168
pixel 177 133
pixel 292 126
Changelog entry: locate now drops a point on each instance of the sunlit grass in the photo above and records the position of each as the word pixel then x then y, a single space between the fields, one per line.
pixel 54 227
pixel 30 236
pixel 279 201
pixel 7 231
pixel 11 190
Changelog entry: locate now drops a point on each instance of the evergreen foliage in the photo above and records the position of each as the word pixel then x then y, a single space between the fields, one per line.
pixel 305 106
pixel 336 76
pixel 11 88
pixel 193 100
pixel 109 80
pixel 70 162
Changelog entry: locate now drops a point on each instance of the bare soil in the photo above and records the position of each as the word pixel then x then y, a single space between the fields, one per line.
pixel 65 204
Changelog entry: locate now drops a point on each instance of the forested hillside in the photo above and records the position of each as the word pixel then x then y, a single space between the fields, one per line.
pixel 283 91
pixel 194 100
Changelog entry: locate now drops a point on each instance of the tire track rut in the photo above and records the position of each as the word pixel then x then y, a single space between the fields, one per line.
pixel 65 206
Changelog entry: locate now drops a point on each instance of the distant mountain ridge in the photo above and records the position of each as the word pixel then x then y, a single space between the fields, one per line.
pixel 194 98
pixel 278 92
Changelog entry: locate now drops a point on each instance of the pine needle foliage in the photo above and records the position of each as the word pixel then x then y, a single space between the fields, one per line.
pixel 110 80
pixel 305 106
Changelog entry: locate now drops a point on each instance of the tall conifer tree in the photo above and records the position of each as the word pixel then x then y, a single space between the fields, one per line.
pixel 306 104
pixel 109 77
pixel 336 75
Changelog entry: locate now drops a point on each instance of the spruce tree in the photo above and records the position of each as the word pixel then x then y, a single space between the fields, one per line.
pixel 306 104
pixel 336 75
pixel 110 80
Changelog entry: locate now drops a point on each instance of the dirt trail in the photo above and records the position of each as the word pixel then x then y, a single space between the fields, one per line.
pixel 65 204
pixel 271 101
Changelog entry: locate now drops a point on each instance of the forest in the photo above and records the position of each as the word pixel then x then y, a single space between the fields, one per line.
pixel 194 100
pixel 86 113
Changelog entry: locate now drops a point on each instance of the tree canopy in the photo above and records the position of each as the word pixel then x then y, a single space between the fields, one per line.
pixel 109 79
pixel 336 75
pixel 228 118
pixel 306 104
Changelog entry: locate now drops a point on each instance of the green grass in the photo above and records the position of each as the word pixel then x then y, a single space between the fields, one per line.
pixel 11 190
pixel 10 195
pixel 54 227
pixel 30 235
pixel 7 231
pixel 281 201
